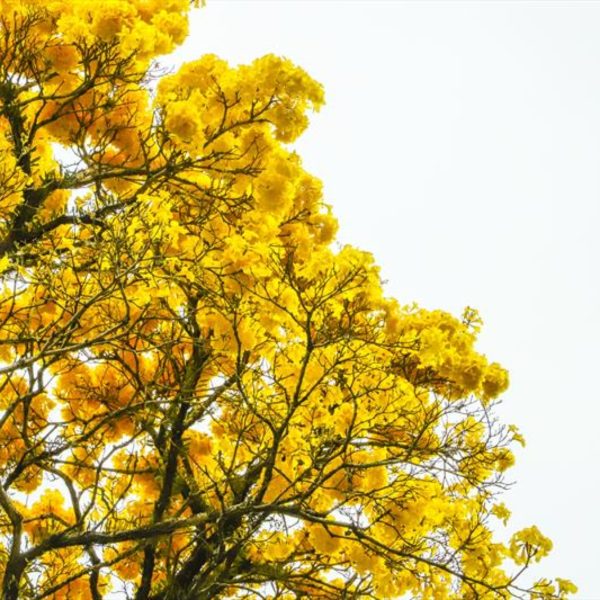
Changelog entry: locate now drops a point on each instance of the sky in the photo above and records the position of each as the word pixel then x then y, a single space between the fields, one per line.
pixel 460 144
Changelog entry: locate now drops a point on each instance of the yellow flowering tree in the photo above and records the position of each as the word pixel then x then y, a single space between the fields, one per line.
pixel 201 395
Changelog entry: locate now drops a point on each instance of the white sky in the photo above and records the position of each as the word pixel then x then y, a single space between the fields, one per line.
pixel 461 145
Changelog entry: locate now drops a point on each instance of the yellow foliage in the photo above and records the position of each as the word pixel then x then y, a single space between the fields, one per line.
pixel 199 391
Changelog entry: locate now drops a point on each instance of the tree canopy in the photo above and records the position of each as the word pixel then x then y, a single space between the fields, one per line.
pixel 202 395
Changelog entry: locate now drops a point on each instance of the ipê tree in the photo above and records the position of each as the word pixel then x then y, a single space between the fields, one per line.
pixel 201 396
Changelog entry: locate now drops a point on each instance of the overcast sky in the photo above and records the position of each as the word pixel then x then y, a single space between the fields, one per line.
pixel 460 144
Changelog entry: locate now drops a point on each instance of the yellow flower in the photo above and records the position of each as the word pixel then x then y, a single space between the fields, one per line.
pixel 182 120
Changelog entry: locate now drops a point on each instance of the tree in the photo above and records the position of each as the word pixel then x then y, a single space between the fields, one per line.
pixel 202 396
